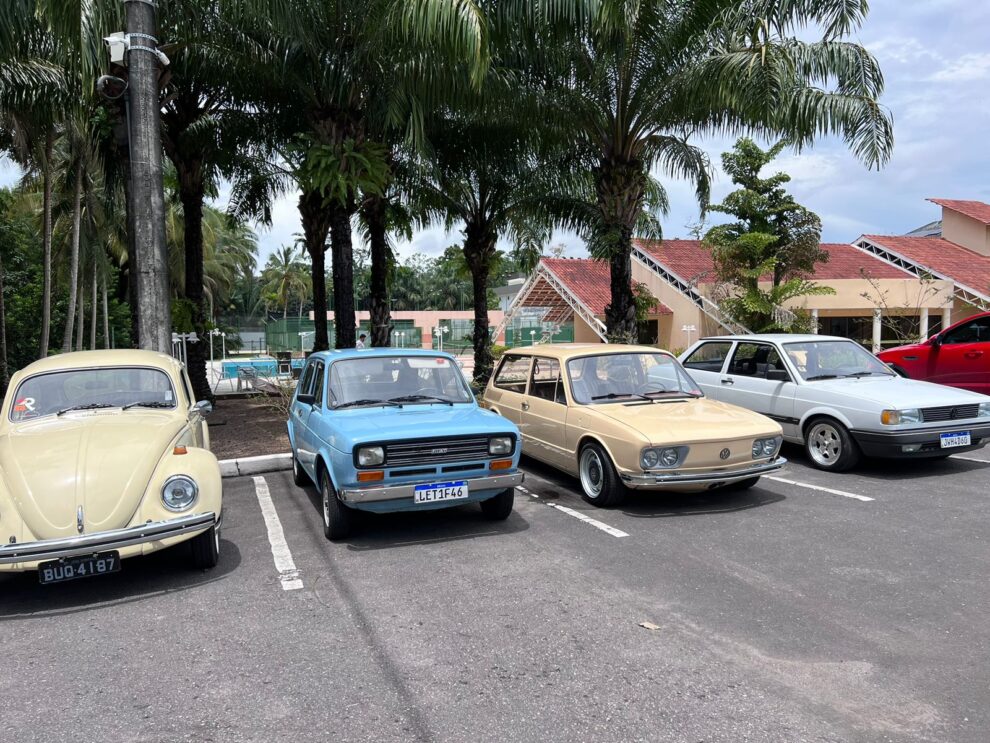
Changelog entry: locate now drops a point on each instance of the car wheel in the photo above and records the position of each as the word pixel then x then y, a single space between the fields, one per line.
pixel 299 476
pixel 600 483
pixel 499 507
pixel 829 446
pixel 206 548
pixel 336 516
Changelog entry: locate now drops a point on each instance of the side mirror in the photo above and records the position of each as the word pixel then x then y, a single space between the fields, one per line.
pixel 936 340
pixel 306 399
pixel 202 407
pixel 778 375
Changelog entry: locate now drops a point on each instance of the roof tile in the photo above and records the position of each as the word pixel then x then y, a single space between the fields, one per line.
pixel 588 280
pixel 962 265
pixel 973 209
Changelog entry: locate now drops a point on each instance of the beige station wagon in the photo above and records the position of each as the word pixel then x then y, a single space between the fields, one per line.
pixel 104 455
pixel 621 417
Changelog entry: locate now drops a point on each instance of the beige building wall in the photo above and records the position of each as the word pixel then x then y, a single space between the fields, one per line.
pixel 966 231
pixel 583 332
pixel 685 312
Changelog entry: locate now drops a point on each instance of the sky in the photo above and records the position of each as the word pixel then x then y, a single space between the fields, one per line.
pixel 935 56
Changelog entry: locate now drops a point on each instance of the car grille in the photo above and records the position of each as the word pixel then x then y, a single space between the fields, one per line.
pixel 950 413
pixel 436 450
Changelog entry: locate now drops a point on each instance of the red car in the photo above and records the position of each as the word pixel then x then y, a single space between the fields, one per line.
pixel 958 356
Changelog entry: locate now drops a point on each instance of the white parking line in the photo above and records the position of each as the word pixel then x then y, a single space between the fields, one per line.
pixel 971 459
pixel 843 493
pixel 290 577
pixel 578 515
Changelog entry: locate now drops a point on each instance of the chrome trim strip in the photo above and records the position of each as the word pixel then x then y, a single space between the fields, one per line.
pixel 394 492
pixel 52 549
pixel 755 470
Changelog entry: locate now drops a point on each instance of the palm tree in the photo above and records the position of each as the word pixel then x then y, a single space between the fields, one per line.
pixel 624 84
pixel 286 277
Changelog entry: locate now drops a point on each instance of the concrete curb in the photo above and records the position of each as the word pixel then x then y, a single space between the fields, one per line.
pixel 255 465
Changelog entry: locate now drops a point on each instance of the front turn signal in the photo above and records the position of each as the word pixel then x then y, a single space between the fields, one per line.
pixel 501 464
pixel 372 476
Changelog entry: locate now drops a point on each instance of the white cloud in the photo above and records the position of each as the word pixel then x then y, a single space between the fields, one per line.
pixel 967 68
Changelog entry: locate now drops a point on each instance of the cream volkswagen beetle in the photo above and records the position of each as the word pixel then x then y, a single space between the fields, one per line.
pixel 104 455
pixel 621 417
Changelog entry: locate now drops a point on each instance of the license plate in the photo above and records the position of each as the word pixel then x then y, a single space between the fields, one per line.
pixel 438 491
pixel 955 438
pixel 85 566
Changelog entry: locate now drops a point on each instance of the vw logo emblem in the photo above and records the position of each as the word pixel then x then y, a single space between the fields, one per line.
pixel 724 454
pixel 954 414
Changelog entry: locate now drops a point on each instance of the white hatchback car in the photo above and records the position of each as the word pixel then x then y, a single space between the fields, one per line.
pixel 837 399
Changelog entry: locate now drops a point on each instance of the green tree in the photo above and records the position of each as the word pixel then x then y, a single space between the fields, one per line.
pixel 287 278
pixel 774 240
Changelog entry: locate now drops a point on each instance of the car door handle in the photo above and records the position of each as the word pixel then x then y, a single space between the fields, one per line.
pixel 973 354
pixel 525 406
pixel 728 381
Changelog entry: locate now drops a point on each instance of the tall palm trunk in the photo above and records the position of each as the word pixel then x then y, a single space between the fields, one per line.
pixel 4 371
pixel 106 314
pixel 479 251
pixel 81 320
pixel 381 320
pixel 620 187
pixel 316 224
pixel 342 264
pixel 92 309
pixel 46 295
pixel 191 193
pixel 73 262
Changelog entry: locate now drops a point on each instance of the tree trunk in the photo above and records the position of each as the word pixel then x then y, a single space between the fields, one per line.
pixel 106 315
pixel 479 250
pixel 92 309
pixel 4 371
pixel 191 193
pixel 381 319
pixel 73 262
pixel 342 265
pixel 316 224
pixel 81 322
pixel 619 187
pixel 46 297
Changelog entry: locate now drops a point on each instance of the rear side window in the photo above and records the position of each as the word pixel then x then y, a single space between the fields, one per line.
pixel 545 382
pixel 318 384
pixel 708 357
pixel 306 381
pixel 512 374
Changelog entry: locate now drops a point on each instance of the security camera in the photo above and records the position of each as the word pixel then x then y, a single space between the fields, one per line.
pixel 116 45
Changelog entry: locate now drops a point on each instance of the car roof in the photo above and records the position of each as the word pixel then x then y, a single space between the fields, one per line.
pixel 338 354
pixel 111 357
pixel 776 338
pixel 570 350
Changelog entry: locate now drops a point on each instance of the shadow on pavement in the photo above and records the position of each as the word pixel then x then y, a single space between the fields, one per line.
pixel 375 531
pixel 896 469
pixel 139 578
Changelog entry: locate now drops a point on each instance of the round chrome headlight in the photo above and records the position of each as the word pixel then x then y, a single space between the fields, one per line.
pixel 649 459
pixel 769 447
pixel 757 448
pixel 669 457
pixel 179 492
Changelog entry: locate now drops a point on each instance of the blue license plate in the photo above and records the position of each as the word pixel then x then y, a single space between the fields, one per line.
pixel 955 438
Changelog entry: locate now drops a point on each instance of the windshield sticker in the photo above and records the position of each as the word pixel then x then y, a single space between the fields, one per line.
pixel 425 363
pixel 168 395
pixel 24 405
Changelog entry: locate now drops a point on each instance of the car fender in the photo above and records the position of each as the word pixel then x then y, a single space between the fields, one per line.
pixel 199 464
pixel 820 411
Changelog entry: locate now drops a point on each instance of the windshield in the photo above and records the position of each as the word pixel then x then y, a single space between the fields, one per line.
pixel 397 379
pixel 624 376
pixel 834 360
pixel 90 389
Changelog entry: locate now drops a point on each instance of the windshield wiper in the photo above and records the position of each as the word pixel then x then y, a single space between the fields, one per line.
pixel 87 406
pixel 617 395
pixel 417 398
pixel 821 376
pixel 367 401
pixel 147 404
pixel 857 375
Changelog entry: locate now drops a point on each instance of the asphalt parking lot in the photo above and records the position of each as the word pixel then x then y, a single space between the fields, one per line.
pixel 810 608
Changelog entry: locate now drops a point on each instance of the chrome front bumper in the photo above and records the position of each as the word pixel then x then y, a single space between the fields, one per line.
pixel 85 544
pixel 715 477
pixel 395 492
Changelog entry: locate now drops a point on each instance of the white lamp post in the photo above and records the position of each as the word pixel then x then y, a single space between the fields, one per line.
pixel 402 339
pixel 532 337
pixel 689 329
pixel 302 336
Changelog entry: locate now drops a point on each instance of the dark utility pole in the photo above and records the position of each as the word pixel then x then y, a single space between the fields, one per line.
pixel 146 189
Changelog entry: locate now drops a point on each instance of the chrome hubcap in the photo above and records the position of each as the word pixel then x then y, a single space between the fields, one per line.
pixel 216 538
pixel 326 505
pixel 824 444
pixel 592 476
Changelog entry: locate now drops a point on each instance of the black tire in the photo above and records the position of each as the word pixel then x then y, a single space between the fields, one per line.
pixel 206 548
pixel 829 445
pixel 600 483
pixel 499 507
pixel 337 517
pixel 299 476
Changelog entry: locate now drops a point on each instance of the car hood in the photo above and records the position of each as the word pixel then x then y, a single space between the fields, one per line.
pixel 897 392
pixel 352 427
pixel 901 349
pixel 699 419
pixel 101 462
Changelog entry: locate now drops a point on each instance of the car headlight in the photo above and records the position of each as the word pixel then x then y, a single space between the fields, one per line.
pixel 757 448
pixel 179 492
pixel 500 445
pixel 895 417
pixel 671 456
pixel 649 459
pixel 369 456
pixel 766 447
pixel 984 411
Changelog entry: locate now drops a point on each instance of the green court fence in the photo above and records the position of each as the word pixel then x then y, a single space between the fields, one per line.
pixel 284 334
pixel 528 335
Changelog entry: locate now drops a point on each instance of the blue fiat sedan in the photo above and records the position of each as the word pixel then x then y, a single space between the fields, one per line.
pixel 387 429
